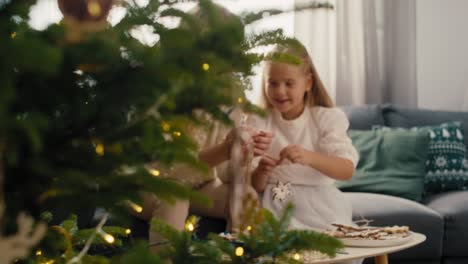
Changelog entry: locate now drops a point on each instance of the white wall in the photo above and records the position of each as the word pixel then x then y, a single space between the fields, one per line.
pixel 442 54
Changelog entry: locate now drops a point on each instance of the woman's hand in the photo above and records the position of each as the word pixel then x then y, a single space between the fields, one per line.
pixel 296 154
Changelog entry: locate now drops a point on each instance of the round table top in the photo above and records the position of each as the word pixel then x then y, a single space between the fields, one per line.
pixel 350 253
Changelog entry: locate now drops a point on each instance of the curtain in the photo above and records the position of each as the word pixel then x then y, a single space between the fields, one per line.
pixel 361 50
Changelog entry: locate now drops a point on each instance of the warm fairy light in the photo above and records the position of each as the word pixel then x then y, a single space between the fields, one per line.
pixel 249 228
pixel 206 66
pixel 136 207
pixel 297 256
pixel 239 251
pixel 177 133
pixel 165 126
pixel 109 238
pixel 128 231
pixel 13 35
pixel 189 227
pixel 39 252
pixel 154 172
pixel 100 149
pixel 240 100
pixel 94 8
pixel 48 262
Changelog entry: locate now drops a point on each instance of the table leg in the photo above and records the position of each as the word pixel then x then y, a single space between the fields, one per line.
pixel 381 259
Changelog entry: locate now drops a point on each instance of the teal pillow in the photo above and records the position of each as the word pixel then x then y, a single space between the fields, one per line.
pixel 391 162
pixel 446 164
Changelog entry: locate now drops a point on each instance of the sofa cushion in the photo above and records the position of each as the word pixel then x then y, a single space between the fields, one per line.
pixel 363 117
pixel 453 206
pixel 446 165
pixel 387 210
pixel 386 166
pixel 396 116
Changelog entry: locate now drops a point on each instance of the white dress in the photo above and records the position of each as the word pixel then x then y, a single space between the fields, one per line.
pixel 317 202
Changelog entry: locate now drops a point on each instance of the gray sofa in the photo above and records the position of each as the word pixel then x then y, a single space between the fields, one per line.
pixel 443 218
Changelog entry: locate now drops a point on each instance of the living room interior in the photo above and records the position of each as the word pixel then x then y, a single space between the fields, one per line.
pixel 396 68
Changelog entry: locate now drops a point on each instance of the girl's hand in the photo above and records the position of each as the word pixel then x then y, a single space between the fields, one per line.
pixel 262 141
pixel 266 165
pixel 263 171
pixel 296 154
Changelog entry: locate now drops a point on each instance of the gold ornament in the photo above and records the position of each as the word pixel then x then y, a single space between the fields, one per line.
pixel 84 16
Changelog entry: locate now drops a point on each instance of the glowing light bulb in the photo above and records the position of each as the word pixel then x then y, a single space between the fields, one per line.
pixel 154 172
pixel 100 149
pixel 189 227
pixel 177 133
pixel 240 100
pixel 109 238
pixel 297 256
pixel 205 66
pixel 38 253
pixel 136 207
pixel 239 251
pixel 249 228
pixel 165 126
pixel 128 231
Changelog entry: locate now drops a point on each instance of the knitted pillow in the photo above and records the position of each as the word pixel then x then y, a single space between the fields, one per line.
pixel 446 164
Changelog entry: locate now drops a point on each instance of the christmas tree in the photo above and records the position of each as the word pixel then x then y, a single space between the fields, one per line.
pixel 84 107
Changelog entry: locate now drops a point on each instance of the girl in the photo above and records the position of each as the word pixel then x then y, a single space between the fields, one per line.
pixel 310 149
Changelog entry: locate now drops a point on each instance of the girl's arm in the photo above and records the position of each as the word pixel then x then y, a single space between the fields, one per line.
pixel 334 167
pixel 263 171
pixel 217 154
pixel 259 181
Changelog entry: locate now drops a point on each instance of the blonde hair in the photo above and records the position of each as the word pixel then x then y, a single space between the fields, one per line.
pixel 293 52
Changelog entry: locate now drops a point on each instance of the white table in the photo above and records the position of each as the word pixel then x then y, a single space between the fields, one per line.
pixel 379 253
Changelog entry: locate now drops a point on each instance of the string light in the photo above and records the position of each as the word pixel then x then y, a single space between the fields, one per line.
pixel 189 227
pixel 13 35
pixel 48 262
pixel 205 66
pixel 240 100
pixel 239 251
pixel 99 149
pixel 109 238
pixel 177 133
pixel 128 231
pixel 136 207
pixel 165 126
pixel 249 228
pixel 154 172
pixel 39 252
pixel 94 8
pixel 297 256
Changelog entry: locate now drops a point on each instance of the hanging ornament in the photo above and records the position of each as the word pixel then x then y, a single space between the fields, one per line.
pixel 84 16
pixel 281 191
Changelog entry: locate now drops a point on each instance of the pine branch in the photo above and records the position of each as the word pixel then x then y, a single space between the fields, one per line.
pixel 251 17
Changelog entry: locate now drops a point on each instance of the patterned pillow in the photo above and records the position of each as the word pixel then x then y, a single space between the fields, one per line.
pixel 446 164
